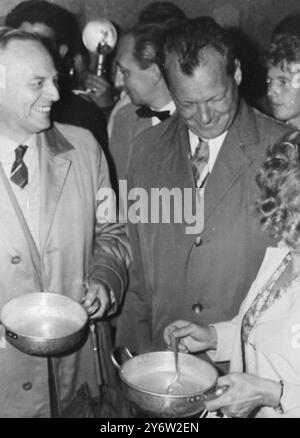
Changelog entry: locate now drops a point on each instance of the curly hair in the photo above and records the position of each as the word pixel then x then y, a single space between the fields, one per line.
pixel 284 49
pixel 278 179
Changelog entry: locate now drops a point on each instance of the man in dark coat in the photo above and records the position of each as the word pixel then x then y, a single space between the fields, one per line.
pixel 200 277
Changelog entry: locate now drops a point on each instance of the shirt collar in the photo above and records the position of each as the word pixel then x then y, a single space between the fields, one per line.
pixel 8 146
pixel 169 107
pixel 214 144
pixel 211 141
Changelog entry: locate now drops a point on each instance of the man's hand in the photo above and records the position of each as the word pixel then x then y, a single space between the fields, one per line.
pixel 192 337
pixel 97 297
pixel 246 392
pixel 101 91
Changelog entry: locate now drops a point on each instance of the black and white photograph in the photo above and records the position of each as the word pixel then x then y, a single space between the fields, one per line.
pixel 149 212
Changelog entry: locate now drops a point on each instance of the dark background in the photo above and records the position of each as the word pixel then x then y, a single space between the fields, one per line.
pixel 252 21
pixel 255 17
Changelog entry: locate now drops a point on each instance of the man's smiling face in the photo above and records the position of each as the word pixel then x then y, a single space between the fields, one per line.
pixel 207 100
pixel 30 88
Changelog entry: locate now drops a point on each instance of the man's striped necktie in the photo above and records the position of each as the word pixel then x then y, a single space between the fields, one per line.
pixel 19 171
pixel 200 162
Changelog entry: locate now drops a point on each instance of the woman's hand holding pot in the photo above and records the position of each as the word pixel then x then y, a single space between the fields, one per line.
pixel 245 393
pixel 192 337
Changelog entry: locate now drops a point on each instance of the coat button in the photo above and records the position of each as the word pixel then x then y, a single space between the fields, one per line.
pixel 197 307
pixel 198 241
pixel 27 386
pixel 15 260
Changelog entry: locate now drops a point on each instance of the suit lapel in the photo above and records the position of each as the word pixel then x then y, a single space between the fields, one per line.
pixel 54 171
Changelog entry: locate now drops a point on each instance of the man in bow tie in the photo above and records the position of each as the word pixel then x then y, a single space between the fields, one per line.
pixel 217 141
pixel 53 235
pixel 138 54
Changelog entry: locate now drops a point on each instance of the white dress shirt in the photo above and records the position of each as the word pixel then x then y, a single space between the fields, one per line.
pixel 169 107
pixel 214 145
pixel 29 197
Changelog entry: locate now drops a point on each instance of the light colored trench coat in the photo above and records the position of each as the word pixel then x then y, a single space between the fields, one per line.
pixel 73 248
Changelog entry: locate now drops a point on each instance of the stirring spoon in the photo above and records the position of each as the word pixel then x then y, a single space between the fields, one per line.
pixel 175 383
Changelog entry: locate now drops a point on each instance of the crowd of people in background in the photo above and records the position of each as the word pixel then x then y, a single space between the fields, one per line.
pixel 171 112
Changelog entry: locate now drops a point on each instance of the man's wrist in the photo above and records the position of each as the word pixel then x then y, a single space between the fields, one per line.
pixel 111 295
pixel 213 338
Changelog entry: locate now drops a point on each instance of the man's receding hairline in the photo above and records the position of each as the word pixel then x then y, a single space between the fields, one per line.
pixel 204 59
pixel 20 40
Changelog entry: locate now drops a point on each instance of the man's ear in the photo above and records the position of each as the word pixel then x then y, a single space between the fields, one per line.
pixel 63 50
pixel 156 73
pixel 237 72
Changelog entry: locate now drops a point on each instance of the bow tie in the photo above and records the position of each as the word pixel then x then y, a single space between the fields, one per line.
pixel 146 112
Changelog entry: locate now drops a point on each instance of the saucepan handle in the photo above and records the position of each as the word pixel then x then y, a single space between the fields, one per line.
pixel 116 350
pixel 216 392
pixel 11 335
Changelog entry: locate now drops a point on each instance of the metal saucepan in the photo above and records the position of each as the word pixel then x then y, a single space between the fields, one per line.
pixel 146 378
pixel 44 324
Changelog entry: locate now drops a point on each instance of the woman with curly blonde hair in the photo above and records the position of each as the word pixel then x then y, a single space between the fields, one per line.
pixel 263 341
pixel 279 183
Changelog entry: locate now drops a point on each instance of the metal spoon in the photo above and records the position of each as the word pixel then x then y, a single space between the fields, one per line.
pixel 175 383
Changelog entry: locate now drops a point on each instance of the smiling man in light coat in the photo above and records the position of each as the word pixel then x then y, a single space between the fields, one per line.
pixel 52 235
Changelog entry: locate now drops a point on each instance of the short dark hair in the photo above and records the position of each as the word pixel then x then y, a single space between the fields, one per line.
pixel 63 22
pixel 284 48
pixel 279 182
pixel 160 12
pixel 188 40
pixel 8 35
pixel 149 42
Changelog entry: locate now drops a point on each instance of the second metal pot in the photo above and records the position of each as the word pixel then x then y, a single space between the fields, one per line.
pixel 146 378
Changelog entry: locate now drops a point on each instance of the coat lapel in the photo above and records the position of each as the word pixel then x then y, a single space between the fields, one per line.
pixel 232 160
pixel 234 157
pixel 12 218
pixel 54 171
pixel 9 218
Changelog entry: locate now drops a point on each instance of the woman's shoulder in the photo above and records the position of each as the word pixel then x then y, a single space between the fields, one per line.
pixel 274 256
